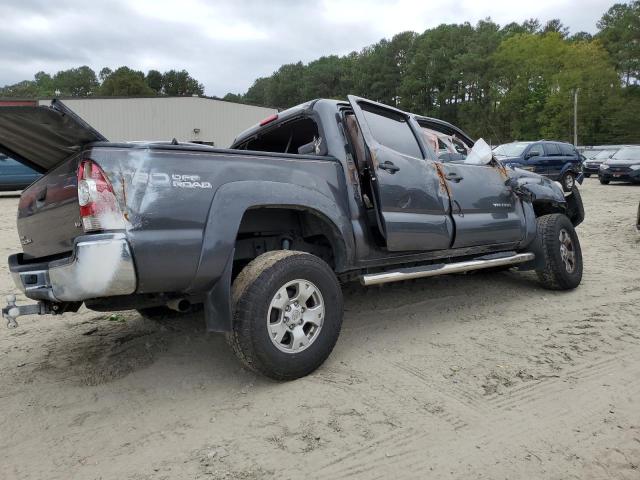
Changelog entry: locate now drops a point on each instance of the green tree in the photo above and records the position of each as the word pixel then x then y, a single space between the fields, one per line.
pixel 620 35
pixel 104 73
pixel 257 93
pixel 180 83
pixel 153 80
pixel 555 25
pixel 125 82
pixel 233 97
pixel 76 82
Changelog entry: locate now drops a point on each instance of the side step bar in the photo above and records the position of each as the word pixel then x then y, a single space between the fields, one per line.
pixel 444 268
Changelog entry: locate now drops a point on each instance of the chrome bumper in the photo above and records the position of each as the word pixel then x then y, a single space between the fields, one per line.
pixel 101 266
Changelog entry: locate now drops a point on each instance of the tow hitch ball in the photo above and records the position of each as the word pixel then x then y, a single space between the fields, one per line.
pixel 13 311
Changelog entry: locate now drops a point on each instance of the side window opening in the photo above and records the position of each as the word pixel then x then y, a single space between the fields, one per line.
pixel 300 135
pixel 391 129
pixel 536 148
pixel 448 148
pixel 567 150
pixel 552 149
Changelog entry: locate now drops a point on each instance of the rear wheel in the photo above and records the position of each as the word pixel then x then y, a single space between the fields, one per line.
pixel 287 314
pixel 603 181
pixel 562 253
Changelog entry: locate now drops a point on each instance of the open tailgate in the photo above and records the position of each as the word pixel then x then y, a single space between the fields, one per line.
pixel 42 137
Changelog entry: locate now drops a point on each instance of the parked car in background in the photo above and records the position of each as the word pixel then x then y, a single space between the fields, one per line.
pixel 623 166
pixel 589 153
pixel 14 175
pixel 592 165
pixel 556 160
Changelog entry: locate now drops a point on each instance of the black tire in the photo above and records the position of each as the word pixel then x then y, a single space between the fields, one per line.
pixel 252 293
pixel 586 175
pixel 568 181
pixel 556 274
pixel 603 181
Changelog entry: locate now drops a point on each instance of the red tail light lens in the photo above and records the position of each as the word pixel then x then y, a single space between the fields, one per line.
pixel 98 204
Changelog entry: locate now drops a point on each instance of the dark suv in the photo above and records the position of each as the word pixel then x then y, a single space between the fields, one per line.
pixel 556 160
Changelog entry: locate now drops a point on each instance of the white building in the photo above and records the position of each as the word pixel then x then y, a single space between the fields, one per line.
pixel 187 119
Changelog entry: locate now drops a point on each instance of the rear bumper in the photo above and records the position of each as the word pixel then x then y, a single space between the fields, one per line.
pixel 100 266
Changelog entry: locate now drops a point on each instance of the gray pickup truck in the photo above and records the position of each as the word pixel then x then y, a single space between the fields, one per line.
pixel 260 236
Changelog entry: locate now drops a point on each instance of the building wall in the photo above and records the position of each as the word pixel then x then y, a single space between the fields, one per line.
pixel 165 118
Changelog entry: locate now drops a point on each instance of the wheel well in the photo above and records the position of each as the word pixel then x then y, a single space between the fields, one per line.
pixel 546 207
pixel 263 229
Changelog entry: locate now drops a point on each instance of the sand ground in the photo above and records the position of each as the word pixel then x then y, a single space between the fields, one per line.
pixel 467 376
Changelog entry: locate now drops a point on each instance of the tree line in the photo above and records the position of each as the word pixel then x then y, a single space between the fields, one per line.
pixel 515 81
pixel 124 81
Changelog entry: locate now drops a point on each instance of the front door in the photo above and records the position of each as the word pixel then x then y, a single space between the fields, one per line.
pixel 484 208
pixel 411 206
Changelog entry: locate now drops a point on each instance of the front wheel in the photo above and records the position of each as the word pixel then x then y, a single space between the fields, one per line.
pixel 287 314
pixel 587 175
pixel 562 253
pixel 603 181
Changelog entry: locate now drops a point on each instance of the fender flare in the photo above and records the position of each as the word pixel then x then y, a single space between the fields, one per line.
pixel 230 202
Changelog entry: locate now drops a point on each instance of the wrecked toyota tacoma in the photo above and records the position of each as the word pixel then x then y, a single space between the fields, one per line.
pixel 261 235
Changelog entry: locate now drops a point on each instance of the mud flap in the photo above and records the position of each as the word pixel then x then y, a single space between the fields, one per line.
pixel 217 303
pixel 575 208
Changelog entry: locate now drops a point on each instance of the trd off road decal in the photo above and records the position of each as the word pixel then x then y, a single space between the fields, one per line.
pixel 178 180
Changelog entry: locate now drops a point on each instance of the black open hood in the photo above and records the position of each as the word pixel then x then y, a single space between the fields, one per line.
pixel 42 137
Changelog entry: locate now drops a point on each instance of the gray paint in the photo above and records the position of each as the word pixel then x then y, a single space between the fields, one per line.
pixel 182 239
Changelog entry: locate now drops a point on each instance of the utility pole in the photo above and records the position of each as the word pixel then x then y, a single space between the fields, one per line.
pixel 575 117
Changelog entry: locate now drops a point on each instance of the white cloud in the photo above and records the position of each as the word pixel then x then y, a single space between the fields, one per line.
pixel 228 43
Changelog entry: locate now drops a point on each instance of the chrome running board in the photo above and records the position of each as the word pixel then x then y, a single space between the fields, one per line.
pixel 444 268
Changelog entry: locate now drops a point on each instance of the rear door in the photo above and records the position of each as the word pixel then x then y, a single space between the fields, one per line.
pixel 412 206
pixel 555 160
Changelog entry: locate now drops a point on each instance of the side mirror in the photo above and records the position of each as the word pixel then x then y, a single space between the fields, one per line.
pixel 532 154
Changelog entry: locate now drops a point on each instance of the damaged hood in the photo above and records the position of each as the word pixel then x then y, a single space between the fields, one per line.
pixel 42 137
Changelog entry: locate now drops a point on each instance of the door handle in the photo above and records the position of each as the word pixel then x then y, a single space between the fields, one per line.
pixel 389 167
pixel 453 176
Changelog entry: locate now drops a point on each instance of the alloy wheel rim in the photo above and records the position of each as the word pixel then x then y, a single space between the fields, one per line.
pixel 295 316
pixel 567 252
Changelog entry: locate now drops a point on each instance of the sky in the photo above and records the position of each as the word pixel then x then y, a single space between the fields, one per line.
pixel 227 44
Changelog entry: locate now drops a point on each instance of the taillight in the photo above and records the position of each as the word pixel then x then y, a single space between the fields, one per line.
pixel 98 204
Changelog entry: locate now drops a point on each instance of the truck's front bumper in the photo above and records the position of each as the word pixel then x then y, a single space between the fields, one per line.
pixel 100 266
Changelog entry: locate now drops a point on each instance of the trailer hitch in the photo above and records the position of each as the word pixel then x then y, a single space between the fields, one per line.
pixel 13 311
